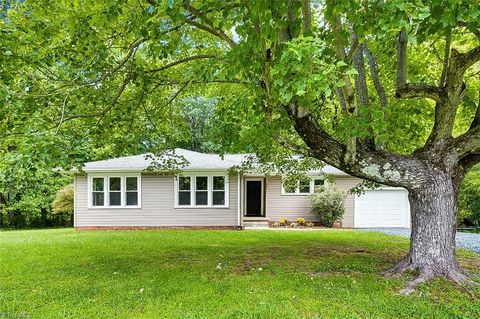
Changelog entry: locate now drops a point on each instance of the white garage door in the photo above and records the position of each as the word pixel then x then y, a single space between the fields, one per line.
pixel 382 208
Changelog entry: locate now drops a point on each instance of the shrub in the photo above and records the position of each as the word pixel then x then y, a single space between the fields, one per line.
pixel 282 222
pixel 63 202
pixel 309 224
pixel 329 205
pixel 300 221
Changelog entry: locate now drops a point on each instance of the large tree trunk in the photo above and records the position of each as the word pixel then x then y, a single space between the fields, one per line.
pixel 432 248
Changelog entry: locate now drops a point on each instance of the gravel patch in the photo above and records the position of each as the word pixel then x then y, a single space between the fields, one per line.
pixel 468 241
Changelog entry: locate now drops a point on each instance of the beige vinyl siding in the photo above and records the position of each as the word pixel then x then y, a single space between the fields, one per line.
pixel 157 207
pixel 294 206
pixel 348 183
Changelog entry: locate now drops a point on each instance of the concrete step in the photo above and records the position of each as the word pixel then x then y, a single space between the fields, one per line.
pixel 257 224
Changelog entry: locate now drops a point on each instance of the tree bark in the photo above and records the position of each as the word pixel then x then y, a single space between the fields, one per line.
pixel 432 242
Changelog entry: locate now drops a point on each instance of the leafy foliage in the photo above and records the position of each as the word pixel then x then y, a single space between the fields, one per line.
pixel 86 80
pixel 329 205
pixel 63 202
pixel 469 199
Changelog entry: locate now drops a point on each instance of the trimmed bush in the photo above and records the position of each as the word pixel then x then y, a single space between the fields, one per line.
pixel 329 205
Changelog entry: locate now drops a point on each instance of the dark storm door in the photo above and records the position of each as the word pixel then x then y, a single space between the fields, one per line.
pixel 254 199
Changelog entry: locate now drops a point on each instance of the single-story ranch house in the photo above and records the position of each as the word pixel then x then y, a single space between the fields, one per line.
pixel 121 193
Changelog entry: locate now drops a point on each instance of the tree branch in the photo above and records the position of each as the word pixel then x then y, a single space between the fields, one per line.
pixel 375 77
pixel 210 28
pixel 403 89
pixel 467 143
pixel 419 90
pixel 63 113
pixel 345 94
pixel 120 64
pixel 463 61
pixel 307 17
pixel 318 140
pixel 446 57
pixel 361 88
pixel 188 59
pixel 476 118
pixel 401 60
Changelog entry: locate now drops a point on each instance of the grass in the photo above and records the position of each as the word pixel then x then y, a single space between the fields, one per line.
pixel 173 274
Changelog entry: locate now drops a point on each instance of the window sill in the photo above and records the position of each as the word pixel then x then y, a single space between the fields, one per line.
pixel 200 207
pixel 114 207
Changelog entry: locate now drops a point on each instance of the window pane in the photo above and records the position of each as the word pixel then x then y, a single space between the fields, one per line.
pixel 115 183
pixel 304 187
pixel 219 198
pixel 319 182
pixel 132 183
pixel 202 183
pixel 218 182
pixel 184 198
pixel 132 198
pixel 98 184
pixel 289 189
pixel 184 183
pixel 201 198
pixel 115 199
pixel 98 199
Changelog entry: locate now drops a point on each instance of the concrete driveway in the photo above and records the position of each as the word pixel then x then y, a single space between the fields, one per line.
pixel 468 241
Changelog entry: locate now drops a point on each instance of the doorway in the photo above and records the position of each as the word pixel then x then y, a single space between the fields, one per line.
pixel 254 197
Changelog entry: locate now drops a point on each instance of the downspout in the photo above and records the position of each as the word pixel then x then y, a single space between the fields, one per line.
pixel 239 211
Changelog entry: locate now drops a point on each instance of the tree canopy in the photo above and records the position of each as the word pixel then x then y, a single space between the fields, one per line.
pixel 384 90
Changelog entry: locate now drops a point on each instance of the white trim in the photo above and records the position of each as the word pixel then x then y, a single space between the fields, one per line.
pixel 193 181
pixel 262 211
pixel 239 212
pixel 75 189
pixel 106 190
pixel 311 186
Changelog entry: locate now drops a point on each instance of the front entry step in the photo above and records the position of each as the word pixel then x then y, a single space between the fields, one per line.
pixel 255 224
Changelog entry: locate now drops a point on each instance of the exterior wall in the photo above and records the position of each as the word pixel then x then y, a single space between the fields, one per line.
pixel 156 208
pixel 293 206
pixel 347 183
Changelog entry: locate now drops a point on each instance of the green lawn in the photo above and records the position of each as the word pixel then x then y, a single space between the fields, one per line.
pixel 173 274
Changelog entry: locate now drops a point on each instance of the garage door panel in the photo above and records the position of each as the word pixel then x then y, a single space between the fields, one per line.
pixel 382 208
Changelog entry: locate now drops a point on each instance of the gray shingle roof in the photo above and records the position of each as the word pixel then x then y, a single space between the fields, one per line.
pixel 196 161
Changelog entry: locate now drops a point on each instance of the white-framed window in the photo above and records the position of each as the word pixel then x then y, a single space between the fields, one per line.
pixel 201 190
pixel 184 191
pixel 218 191
pixel 131 190
pixel 98 191
pixel 304 187
pixel 114 191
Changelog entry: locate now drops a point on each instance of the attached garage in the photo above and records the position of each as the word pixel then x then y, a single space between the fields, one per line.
pixel 386 207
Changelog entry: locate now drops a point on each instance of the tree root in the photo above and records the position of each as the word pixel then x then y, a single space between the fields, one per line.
pixel 427 272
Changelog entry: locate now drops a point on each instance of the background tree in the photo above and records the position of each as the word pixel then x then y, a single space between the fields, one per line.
pixel 328 81
pixel 197 112
pixel 469 199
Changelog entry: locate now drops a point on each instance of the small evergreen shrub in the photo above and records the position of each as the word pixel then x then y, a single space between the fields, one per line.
pixel 328 205
pixel 282 222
